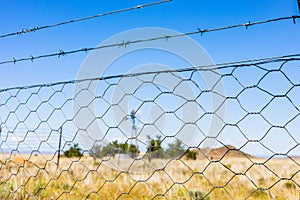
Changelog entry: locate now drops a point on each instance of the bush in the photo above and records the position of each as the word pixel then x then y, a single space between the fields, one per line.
pixel 175 150
pixel 114 148
pixel 191 155
pixel 74 151
pixel 154 149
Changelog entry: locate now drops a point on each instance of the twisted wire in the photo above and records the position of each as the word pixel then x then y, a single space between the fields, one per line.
pixel 62 53
pixel 31 118
pixel 38 28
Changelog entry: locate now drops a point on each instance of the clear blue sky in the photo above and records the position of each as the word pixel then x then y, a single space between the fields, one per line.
pixel 232 45
pixel 275 39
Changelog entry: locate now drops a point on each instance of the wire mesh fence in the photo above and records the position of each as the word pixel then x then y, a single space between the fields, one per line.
pixel 156 135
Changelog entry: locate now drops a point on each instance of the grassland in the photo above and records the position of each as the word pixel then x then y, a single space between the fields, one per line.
pixel 37 177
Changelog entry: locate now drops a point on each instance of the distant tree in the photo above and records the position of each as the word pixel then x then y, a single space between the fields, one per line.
pixel 175 150
pixel 133 149
pixel 114 148
pixel 191 155
pixel 154 149
pixel 74 151
pixel 96 151
pixel 109 150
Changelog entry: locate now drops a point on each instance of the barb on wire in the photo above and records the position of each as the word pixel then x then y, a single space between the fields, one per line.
pixel 164 37
pixel 37 28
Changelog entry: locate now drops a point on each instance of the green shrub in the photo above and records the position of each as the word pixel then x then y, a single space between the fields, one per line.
pixel 74 151
pixel 191 155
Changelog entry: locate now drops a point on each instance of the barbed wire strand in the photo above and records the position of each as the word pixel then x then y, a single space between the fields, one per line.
pixel 38 28
pixel 243 63
pixel 165 37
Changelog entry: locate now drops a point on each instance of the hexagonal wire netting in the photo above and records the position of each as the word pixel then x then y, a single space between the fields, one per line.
pixel 137 139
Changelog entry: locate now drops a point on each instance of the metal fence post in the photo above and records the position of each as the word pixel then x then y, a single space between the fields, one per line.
pixel 59 146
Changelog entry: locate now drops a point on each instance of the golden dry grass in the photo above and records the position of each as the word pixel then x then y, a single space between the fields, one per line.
pixel 231 178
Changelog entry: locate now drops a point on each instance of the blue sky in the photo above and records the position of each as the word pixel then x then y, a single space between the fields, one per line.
pixel 275 39
pixel 231 45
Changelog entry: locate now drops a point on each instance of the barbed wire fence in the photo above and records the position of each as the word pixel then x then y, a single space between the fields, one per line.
pixel 62 53
pixel 128 152
pixel 38 28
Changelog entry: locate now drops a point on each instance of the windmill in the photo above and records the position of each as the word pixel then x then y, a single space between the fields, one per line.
pixel 133 120
pixel 133 117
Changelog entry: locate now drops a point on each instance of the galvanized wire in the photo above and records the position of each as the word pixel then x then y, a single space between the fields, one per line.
pixel 62 53
pixel 38 28
pixel 262 116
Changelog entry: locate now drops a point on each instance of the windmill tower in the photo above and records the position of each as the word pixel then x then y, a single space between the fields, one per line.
pixel 133 127
pixel 133 120
pixel 133 117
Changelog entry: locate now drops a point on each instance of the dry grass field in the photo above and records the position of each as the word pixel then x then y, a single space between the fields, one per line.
pixel 37 177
